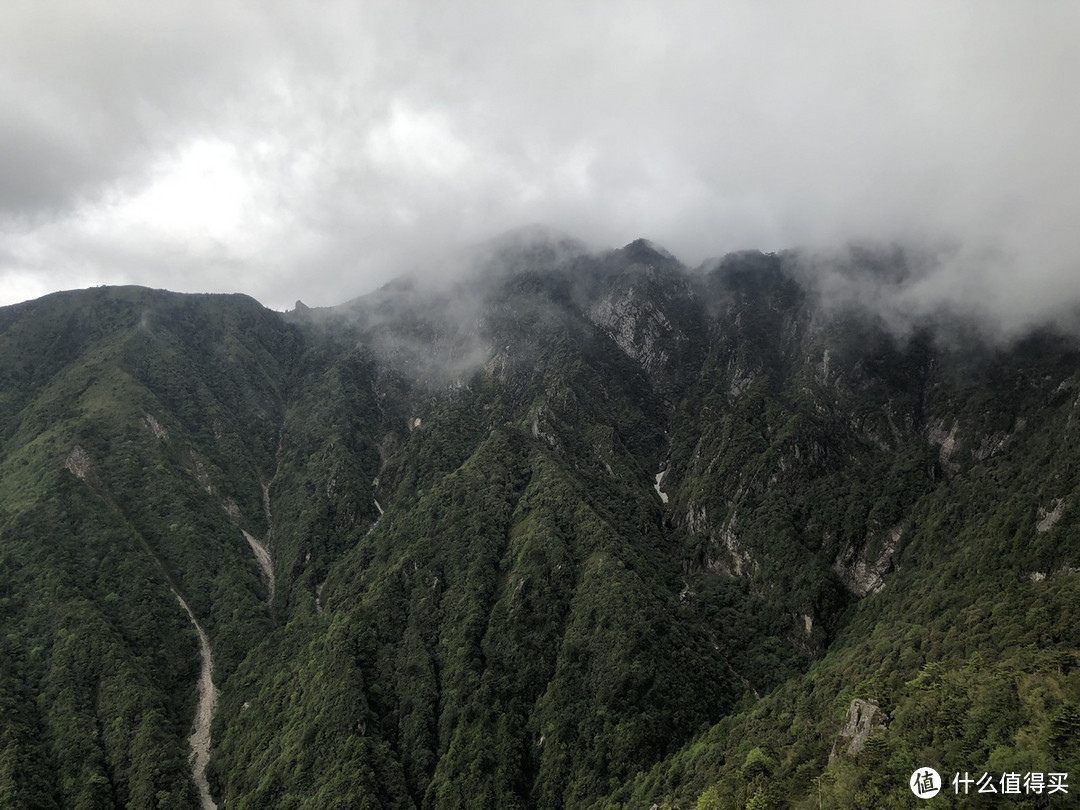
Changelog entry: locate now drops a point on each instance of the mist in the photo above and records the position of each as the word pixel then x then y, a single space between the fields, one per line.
pixel 943 287
pixel 294 153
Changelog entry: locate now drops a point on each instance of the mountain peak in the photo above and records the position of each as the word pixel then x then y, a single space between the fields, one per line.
pixel 644 251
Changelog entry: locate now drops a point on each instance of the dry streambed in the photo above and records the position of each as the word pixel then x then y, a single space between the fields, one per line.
pixel 204 712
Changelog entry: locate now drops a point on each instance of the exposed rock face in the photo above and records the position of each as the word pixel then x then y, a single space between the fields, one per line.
pixel 697 519
pixel 637 326
pixel 645 312
pixel 1041 576
pixel 741 379
pixel 991 445
pixel 78 463
pixel 864 719
pixel 198 469
pixel 543 427
pixel 742 564
pixel 946 441
pixel 726 554
pixel 155 427
pixel 864 574
pixel 1048 517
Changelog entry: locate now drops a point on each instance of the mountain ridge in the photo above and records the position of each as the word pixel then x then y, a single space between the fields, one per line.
pixel 481 597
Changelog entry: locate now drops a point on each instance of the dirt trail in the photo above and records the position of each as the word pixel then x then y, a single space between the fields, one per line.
pixel 204 712
pixel 199 740
pixel 266 506
pixel 262 550
pixel 262 554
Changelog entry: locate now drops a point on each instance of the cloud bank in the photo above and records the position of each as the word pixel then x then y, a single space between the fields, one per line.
pixel 293 150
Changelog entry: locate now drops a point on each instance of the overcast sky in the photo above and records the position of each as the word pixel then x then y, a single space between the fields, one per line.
pixel 315 149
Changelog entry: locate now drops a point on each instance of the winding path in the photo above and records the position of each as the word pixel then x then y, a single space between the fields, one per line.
pixel 262 554
pixel 199 740
pixel 204 712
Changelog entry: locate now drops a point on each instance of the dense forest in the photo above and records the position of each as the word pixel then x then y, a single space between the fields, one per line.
pixel 560 529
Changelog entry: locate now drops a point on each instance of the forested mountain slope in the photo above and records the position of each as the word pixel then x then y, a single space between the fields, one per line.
pixel 564 529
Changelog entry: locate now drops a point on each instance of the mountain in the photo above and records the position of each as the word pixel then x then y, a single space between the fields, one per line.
pixel 546 527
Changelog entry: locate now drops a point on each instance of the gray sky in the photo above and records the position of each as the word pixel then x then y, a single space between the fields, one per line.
pixel 315 149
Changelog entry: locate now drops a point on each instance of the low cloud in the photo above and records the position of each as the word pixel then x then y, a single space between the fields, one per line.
pixel 294 152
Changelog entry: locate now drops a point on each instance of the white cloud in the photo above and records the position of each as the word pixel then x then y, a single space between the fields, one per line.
pixel 289 150
pixel 198 195
pixel 417 143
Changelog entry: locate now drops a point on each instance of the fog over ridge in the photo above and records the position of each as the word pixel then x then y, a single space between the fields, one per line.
pixel 291 153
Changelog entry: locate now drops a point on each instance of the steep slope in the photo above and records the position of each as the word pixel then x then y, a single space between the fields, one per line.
pixel 513 626
pixel 564 529
pixel 961 653
pixel 127 468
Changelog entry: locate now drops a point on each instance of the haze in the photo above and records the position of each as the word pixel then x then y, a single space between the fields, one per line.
pixel 294 150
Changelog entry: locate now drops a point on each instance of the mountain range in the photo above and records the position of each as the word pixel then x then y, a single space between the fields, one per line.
pixel 544 527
